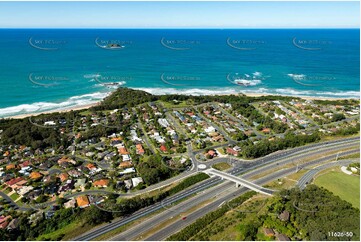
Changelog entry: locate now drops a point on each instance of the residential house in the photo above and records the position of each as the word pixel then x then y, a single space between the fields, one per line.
pixel 82 201
pixel 64 160
pixel 123 151
pixel 67 186
pixel 101 183
pixel 16 183
pixel 212 153
pixel 126 158
pixel 24 190
pixel 136 181
pixel 163 148
pixel 231 151
pixel 74 173
pixel 35 175
pixel 13 224
pixel 80 182
pixel 284 216
pixel 282 237
pixel 128 184
pixel 63 177
pixel 140 150
pixel 11 166
pixel 127 171
pixel 25 164
pixel 70 204
pixel 125 164
pixel 4 221
pixel 268 232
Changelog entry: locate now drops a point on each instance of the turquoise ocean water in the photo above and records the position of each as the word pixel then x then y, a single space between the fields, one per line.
pixel 48 69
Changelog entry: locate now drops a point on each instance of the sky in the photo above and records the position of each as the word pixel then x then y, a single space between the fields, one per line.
pixel 179 14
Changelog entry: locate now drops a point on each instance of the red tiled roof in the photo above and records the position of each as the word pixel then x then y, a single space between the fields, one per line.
pixel 14 181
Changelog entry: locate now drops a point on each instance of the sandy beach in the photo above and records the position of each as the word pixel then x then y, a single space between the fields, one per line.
pixel 303 97
pixel 80 107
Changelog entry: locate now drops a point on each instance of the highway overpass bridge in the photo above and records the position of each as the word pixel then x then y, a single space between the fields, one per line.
pixel 240 181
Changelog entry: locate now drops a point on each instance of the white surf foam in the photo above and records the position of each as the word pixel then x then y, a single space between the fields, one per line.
pixel 246 82
pixel 49 106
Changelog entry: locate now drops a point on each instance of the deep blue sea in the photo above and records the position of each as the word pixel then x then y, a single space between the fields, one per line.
pixel 48 69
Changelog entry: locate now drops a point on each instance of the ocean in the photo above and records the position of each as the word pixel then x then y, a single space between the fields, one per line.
pixel 49 69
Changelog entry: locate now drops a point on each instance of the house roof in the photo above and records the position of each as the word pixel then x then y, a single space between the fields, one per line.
pixel 231 151
pixel 125 164
pixel 10 166
pixel 282 237
pixel 268 231
pixel 163 148
pixel 123 151
pixel 25 163
pixel 284 216
pixel 82 201
pixel 90 166
pixel 63 176
pixel 139 148
pixel 101 182
pixel 35 175
pixel 14 181
pixel 211 152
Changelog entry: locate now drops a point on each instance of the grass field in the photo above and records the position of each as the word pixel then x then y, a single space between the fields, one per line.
pixel 347 187
pixel 221 166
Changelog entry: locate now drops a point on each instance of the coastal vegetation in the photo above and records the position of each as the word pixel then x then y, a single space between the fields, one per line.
pixel 312 214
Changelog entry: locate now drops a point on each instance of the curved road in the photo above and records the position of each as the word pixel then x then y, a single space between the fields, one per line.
pixel 307 178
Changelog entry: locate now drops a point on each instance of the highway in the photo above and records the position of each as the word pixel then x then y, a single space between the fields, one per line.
pixel 179 224
pixel 214 181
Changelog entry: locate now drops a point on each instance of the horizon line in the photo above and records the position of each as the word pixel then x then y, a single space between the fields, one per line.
pixel 215 28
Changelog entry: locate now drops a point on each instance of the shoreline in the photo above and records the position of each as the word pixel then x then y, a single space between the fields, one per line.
pixel 62 110
pixel 297 96
pixel 87 106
